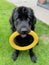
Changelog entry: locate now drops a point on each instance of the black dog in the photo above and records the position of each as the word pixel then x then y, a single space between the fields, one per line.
pixel 23 20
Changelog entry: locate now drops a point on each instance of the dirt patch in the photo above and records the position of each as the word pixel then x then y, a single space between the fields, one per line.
pixel 45 38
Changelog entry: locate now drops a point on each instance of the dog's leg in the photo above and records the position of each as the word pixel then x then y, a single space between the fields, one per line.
pixel 32 55
pixel 16 52
pixel 15 55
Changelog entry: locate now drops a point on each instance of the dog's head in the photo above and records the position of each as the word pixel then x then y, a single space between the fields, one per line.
pixel 23 19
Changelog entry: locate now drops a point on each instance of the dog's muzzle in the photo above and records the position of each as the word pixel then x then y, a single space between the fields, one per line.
pixel 23 27
pixel 24 30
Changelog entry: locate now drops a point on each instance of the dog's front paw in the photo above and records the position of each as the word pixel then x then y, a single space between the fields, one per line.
pixel 15 56
pixel 33 58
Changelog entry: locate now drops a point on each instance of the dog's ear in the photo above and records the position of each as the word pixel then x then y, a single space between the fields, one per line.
pixel 32 16
pixel 13 16
pixel 11 20
pixel 33 20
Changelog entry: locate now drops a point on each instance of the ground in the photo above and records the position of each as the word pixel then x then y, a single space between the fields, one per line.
pixel 41 51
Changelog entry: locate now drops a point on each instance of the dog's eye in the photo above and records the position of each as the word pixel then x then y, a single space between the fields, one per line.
pixel 16 23
pixel 30 23
pixel 28 19
pixel 18 20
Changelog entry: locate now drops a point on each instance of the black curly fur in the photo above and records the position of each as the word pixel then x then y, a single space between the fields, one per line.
pixel 23 13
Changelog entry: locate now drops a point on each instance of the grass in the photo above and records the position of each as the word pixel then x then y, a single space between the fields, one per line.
pixel 41 51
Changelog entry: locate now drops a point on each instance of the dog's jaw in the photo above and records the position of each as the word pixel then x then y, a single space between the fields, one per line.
pixel 23 35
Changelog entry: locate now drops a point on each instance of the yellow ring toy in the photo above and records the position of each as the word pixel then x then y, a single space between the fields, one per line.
pixel 32 33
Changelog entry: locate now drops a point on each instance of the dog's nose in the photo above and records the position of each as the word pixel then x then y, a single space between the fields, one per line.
pixel 24 31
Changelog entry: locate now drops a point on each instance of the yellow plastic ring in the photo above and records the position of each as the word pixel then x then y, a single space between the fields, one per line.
pixel 32 33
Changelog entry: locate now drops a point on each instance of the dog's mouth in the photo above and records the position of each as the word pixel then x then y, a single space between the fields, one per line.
pixel 23 35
